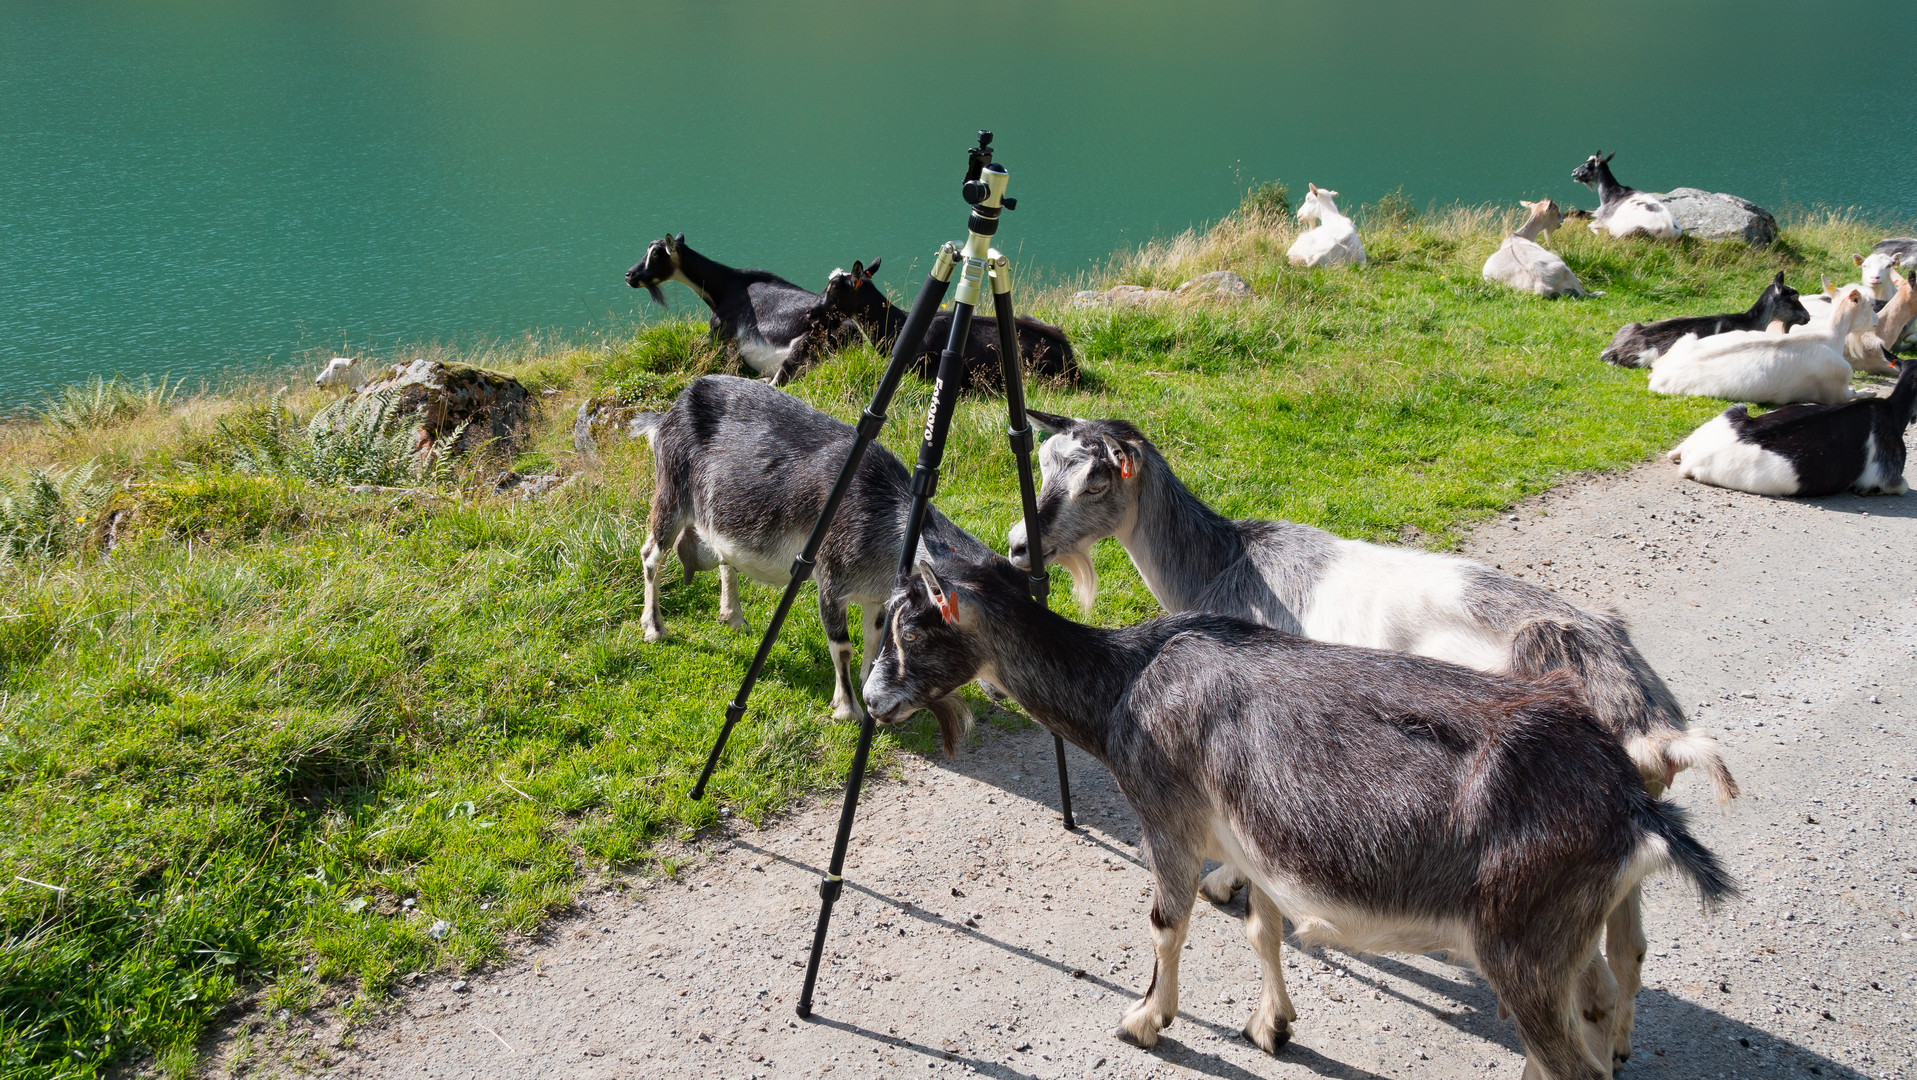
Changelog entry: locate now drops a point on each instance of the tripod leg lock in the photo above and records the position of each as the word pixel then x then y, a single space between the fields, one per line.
pixel 925 482
pixel 869 424
pixel 1040 586
pixel 830 887
pixel 1021 440
pixel 802 568
pixel 735 712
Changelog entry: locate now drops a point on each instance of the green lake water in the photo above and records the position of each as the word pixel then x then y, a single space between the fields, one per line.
pixel 193 187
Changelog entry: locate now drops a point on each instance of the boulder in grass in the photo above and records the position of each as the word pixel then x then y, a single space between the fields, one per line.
pixel 1710 215
pixel 492 407
pixel 1217 285
pixel 601 422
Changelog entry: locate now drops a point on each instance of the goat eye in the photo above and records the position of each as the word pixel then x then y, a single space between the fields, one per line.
pixel 909 636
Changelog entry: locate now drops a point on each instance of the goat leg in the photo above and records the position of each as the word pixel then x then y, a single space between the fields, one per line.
pixel 1624 946
pixel 1171 919
pixel 1221 884
pixel 1270 1025
pixel 838 638
pixel 731 612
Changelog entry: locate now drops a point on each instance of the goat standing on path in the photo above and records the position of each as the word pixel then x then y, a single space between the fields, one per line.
pixel 1624 211
pixel 770 322
pixel 852 296
pixel 1637 344
pixel 1525 265
pixel 741 472
pixel 1104 478
pixel 1383 802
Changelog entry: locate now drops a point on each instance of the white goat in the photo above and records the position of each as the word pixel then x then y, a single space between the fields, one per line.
pixel 1879 271
pixel 341 371
pixel 1868 351
pixel 1334 242
pixel 1760 365
pixel 1522 263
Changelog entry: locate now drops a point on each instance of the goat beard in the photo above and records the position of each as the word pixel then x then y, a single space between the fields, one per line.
pixel 955 722
pixel 658 295
pixel 1084 576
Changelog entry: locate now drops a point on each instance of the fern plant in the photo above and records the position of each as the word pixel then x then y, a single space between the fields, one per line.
pixel 45 511
pixel 358 440
pixel 98 402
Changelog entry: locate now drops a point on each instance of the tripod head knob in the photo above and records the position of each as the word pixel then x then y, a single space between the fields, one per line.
pixel 977 160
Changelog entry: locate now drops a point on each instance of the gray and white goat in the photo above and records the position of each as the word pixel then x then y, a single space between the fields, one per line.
pixel 742 470
pixel 1381 801
pixel 1104 478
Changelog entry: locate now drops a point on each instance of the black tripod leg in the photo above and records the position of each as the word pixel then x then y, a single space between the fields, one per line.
pixel 924 484
pixel 1019 430
pixel 904 353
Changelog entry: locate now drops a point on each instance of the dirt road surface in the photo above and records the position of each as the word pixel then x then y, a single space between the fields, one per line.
pixel 976 936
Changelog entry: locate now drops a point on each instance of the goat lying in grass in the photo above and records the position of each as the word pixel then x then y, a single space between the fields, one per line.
pixel 1806 449
pixel 742 470
pixel 1806 364
pixel 1525 265
pixel 766 319
pixel 1382 802
pixel 1870 351
pixel 1624 211
pixel 1104 478
pixel 1637 344
pixel 1333 242
pixel 852 297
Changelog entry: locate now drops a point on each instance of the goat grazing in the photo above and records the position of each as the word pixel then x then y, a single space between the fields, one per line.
pixel 1806 450
pixel 1104 478
pixel 741 471
pixel 1042 347
pixel 1382 802
pixel 1624 211
pixel 1806 364
pixel 767 320
pixel 1333 241
pixel 1637 344
pixel 343 372
pixel 1522 263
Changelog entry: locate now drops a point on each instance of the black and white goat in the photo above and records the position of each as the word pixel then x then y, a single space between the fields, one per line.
pixel 1806 449
pixel 741 472
pixel 1104 478
pixel 1042 347
pixel 1624 211
pixel 1382 802
pixel 1637 344
pixel 774 325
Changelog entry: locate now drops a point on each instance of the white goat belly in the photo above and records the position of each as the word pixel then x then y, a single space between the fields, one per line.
pixel 767 568
pixel 761 356
pixel 1317 920
pixel 1642 214
pixel 1713 454
pixel 1407 601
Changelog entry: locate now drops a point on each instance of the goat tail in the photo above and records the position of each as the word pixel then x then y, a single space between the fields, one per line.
pixel 1625 695
pixel 1663 824
pixel 646 424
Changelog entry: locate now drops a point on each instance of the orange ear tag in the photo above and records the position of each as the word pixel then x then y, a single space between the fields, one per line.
pixel 947 608
pixel 1125 467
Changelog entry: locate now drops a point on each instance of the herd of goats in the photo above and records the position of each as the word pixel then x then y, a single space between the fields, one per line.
pixel 1398 750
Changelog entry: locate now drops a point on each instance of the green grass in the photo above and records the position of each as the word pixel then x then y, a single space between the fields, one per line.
pixel 234 748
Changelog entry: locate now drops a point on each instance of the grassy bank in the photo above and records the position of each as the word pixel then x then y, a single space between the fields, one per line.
pixel 290 737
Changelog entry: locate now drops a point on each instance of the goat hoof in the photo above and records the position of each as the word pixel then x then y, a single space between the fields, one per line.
pixel 1271 1038
pixel 1141 1026
pixel 655 633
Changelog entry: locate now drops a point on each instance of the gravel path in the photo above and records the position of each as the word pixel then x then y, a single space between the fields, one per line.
pixel 976 935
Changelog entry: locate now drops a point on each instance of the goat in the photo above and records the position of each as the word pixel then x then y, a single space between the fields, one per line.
pixel 1042 347
pixel 1104 478
pixel 1806 450
pixel 1879 271
pixel 759 315
pixel 1870 351
pixel 1637 344
pixel 341 371
pixel 1806 364
pixel 742 470
pixel 1522 263
pixel 1382 802
pixel 1623 211
pixel 1333 241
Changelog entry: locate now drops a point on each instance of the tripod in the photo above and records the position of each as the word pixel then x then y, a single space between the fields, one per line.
pixel 976 262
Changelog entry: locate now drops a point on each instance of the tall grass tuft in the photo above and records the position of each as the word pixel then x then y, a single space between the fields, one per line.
pixel 45 511
pixel 100 403
pixel 357 440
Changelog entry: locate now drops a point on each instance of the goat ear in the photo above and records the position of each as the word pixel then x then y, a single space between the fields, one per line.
pixel 1126 458
pixel 1779 279
pixel 942 596
pixel 1608 157
pixel 858 269
pixel 1312 186
pixel 1857 260
pixel 1050 423
pixel 873 269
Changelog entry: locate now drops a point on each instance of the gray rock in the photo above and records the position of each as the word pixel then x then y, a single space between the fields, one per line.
pixel 1711 215
pixel 1121 296
pixel 527 485
pixel 601 423
pixel 1221 283
pixel 483 406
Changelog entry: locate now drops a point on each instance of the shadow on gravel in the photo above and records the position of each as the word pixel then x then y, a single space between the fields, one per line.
pixel 1874 505
pixel 982 1066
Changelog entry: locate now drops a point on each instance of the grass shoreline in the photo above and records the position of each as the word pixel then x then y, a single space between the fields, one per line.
pixel 283 732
